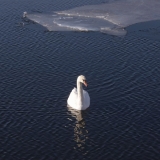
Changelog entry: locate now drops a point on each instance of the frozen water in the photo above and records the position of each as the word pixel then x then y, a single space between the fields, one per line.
pixel 111 17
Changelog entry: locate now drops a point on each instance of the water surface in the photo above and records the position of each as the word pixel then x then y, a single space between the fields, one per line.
pixel 38 71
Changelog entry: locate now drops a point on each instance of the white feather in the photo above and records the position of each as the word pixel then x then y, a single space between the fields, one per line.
pixel 73 100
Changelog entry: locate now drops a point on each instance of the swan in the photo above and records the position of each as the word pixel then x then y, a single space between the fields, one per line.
pixel 79 99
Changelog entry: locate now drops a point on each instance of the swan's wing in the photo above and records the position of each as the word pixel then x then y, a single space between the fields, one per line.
pixel 86 101
pixel 72 98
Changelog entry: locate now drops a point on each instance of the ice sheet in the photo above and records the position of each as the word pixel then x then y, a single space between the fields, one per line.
pixel 111 17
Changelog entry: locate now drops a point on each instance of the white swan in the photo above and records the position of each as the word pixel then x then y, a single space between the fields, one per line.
pixel 79 99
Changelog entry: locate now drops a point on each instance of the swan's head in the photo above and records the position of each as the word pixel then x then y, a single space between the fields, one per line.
pixel 82 79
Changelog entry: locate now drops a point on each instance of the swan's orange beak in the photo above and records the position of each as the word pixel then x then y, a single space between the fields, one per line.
pixel 85 83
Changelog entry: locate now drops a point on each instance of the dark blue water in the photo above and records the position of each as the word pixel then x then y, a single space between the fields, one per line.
pixel 38 70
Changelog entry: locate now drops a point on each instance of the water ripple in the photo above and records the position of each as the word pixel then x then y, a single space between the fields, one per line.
pixel 38 71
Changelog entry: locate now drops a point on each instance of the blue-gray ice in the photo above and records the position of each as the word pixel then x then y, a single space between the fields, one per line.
pixel 111 17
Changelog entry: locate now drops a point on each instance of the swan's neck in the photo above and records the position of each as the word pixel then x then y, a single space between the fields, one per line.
pixel 80 93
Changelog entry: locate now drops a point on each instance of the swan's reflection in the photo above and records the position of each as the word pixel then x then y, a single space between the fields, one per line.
pixel 80 131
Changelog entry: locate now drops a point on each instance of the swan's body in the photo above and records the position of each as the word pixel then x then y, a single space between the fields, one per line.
pixel 79 99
